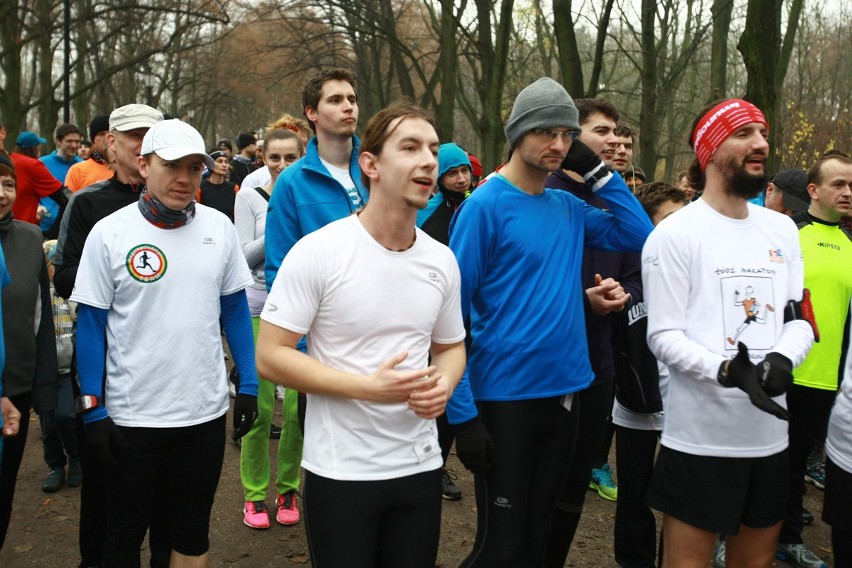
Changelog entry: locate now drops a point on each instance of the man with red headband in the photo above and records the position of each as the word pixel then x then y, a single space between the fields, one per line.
pixel 722 467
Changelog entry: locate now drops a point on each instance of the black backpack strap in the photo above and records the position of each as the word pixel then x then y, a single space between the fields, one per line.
pixel 262 193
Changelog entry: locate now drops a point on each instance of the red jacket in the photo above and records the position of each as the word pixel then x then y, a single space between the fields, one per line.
pixel 34 182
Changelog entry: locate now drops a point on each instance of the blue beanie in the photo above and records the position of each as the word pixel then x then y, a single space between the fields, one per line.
pixel 451 156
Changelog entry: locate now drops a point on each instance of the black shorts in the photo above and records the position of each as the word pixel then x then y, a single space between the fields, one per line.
pixel 837 502
pixel 718 494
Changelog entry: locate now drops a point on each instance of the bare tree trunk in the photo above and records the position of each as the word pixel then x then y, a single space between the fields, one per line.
pixel 760 45
pixel 406 87
pixel 81 106
pixel 448 68
pixel 48 109
pixel 570 65
pixel 493 57
pixel 788 42
pixel 597 63
pixel 11 108
pixel 721 11
pixel 648 110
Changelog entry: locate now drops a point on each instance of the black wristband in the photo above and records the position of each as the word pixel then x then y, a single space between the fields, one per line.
pixel 722 376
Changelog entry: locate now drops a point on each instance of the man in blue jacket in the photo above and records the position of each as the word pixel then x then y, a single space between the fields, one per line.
pixel 323 186
pixel 520 247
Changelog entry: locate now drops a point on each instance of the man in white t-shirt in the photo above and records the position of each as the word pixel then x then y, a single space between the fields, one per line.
pixel 722 467
pixel 323 186
pixel 375 296
pixel 155 279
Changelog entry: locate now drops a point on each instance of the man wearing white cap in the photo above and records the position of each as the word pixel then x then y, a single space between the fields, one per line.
pixel 127 126
pixel 154 281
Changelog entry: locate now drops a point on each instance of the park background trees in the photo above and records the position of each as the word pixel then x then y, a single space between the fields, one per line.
pixel 233 65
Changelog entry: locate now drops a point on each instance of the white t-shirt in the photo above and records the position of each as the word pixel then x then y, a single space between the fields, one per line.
pixel 165 366
pixel 258 178
pixel 344 178
pixel 838 445
pixel 360 304
pixel 709 282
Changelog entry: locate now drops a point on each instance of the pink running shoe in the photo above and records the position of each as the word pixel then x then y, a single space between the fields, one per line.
pixel 256 515
pixel 288 512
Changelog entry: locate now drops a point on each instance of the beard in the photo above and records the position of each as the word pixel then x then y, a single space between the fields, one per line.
pixel 742 184
pixel 745 185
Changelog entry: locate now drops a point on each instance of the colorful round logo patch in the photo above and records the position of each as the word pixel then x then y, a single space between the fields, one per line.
pixel 146 263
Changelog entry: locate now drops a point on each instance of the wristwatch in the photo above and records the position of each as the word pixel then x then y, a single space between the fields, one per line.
pixel 86 402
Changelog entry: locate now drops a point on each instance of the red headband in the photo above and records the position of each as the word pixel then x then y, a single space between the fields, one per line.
pixel 722 120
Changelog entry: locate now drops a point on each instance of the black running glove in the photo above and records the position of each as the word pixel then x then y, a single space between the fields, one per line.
pixel 474 446
pixel 245 413
pixel 775 374
pixel 101 437
pixel 740 372
pixel 581 159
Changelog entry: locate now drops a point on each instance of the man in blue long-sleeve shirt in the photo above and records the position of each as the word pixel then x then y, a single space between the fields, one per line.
pixel 520 247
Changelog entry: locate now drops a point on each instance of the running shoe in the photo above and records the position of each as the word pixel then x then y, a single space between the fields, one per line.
pixel 274 432
pixel 603 483
pixel 279 392
pixel 798 556
pixel 807 517
pixel 288 512
pixel 54 480
pixel 449 490
pixel 719 554
pixel 815 474
pixel 256 515
pixel 75 473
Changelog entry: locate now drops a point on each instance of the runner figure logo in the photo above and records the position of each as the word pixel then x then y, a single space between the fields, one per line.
pixel 146 263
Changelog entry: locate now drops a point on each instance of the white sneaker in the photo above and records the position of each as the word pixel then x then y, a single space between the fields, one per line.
pixel 798 555
pixel 719 554
pixel 279 392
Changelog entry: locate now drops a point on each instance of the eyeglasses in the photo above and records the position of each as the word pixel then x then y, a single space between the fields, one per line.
pixel 550 135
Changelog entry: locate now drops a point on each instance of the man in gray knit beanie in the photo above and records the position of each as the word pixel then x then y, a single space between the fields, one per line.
pixel 544 104
pixel 519 250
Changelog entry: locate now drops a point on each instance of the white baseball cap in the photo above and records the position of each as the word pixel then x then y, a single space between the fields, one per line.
pixel 173 140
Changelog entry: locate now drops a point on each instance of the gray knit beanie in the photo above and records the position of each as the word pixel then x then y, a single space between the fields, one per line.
pixel 544 104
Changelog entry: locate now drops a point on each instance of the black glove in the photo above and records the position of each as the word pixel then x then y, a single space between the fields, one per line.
pixel 581 159
pixel 775 374
pixel 742 373
pixel 245 413
pixel 101 437
pixel 474 446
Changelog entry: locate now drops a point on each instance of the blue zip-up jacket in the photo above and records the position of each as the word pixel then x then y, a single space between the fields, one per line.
pixel 520 257
pixel 306 197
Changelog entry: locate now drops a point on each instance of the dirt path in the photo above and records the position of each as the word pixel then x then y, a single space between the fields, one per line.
pixel 44 527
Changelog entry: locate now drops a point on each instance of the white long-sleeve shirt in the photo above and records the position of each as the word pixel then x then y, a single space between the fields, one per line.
pixel 711 281
pixel 838 445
